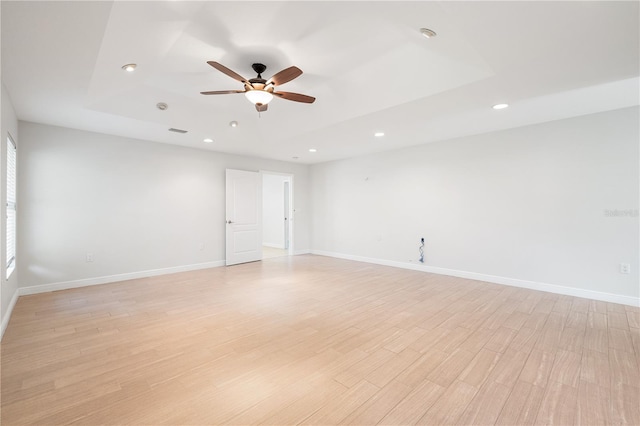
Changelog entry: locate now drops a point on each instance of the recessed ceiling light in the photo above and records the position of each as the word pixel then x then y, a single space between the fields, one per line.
pixel 162 106
pixel 378 134
pixel 313 150
pixel 233 123
pixel 208 140
pixel 427 32
pixel 129 67
pixel 501 106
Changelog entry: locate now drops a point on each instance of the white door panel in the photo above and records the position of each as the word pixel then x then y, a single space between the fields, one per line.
pixel 244 241
pixel 286 215
pixel 244 216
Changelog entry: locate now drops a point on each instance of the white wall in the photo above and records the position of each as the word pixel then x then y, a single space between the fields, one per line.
pixel 273 210
pixel 135 205
pixel 8 288
pixel 526 204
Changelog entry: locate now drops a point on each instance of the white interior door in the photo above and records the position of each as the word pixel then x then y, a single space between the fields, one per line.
pixel 244 216
pixel 286 215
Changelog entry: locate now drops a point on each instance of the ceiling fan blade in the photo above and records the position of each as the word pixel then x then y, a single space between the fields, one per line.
pixel 297 97
pixel 227 71
pixel 261 107
pixel 221 92
pixel 285 76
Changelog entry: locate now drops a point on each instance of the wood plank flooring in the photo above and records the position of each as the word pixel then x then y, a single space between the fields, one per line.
pixel 316 340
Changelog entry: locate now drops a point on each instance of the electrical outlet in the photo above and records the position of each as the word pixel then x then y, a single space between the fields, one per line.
pixel 89 257
pixel 625 268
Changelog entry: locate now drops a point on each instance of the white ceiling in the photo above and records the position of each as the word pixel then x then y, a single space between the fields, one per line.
pixel 365 62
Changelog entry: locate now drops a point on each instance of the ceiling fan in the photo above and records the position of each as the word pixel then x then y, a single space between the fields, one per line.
pixel 260 91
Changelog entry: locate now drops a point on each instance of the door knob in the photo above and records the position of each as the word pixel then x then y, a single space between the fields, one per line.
pixel 229 222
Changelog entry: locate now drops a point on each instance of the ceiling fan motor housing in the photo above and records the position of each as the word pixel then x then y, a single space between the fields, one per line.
pixel 259 68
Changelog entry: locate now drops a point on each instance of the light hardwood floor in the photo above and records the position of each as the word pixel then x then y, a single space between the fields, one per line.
pixel 315 340
pixel 269 252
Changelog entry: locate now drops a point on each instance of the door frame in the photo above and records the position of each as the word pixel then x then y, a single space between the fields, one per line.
pixel 292 210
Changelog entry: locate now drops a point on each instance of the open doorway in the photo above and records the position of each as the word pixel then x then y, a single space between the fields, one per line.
pixel 277 227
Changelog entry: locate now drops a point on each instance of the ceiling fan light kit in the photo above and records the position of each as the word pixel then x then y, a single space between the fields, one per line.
pixel 260 91
pixel 258 97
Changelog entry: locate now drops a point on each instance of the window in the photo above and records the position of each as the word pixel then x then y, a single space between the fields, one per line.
pixel 11 206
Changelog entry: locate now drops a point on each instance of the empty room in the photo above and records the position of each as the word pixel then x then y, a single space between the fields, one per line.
pixel 320 212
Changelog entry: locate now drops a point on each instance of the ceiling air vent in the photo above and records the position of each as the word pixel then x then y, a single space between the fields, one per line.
pixel 177 130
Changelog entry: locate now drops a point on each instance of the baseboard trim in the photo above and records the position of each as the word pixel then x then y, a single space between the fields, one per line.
pixel 299 252
pixel 532 285
pixel 7 316
pixel 65 285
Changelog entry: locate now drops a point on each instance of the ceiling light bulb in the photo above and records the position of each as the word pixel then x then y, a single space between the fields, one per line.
pixel 233 123
pixel 129 67
pixel 500 106
pixel 313 150
pixel 208 140
pixel 378 134
pixel 258 96
pixel 427 32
